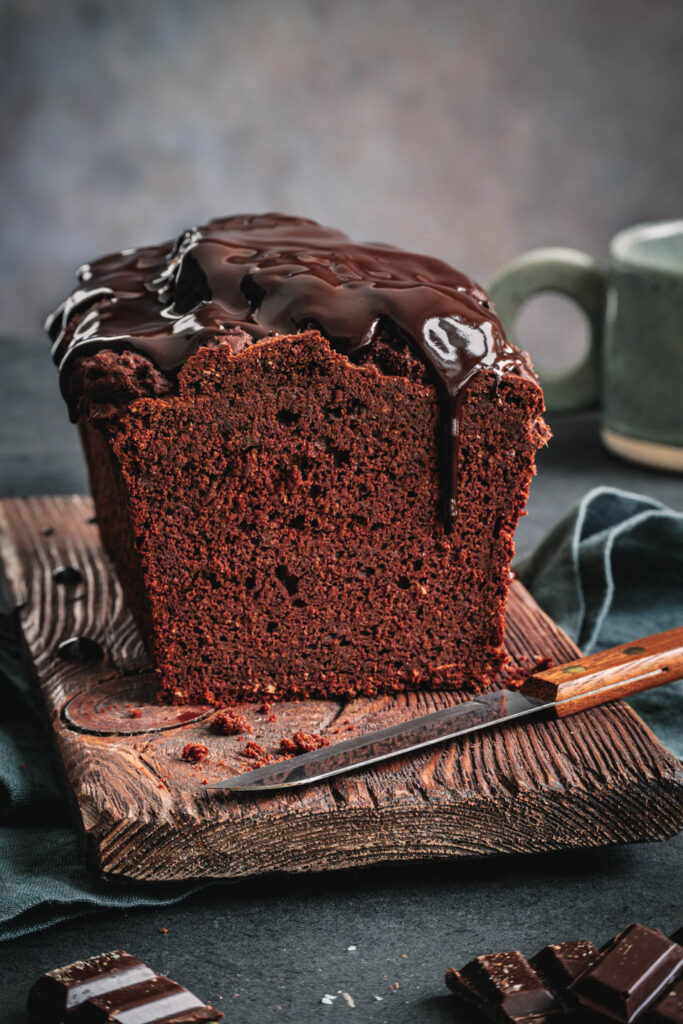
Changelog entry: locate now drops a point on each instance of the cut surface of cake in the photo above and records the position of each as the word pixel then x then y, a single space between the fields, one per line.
pixel 308 459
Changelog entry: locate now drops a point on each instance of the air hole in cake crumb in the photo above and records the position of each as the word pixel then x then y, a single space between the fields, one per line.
pixel 333 412
pixel 417 564
pixel 341 456
pixel 355 406
pixel 299 602
pixel 288 580
pixel 315 490
pixel 403 582
pixel 298 522
pixel 250 582
pixel 271 627
pixel 496 527
pixel 288 417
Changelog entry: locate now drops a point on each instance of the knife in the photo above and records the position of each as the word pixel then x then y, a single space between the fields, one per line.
pixel 559 691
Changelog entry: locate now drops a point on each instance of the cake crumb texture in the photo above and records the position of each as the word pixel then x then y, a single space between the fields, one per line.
pixel 277 528
pixel 303 742
pixel 195 752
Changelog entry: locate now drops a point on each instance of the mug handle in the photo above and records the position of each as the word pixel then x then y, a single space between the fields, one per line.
pixel 576 275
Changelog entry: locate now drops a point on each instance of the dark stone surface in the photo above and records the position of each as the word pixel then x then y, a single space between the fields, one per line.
pixel 284 942
pixel 470 130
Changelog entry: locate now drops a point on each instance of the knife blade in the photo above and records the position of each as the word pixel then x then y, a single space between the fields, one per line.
pixel 469 716
pixel 563 690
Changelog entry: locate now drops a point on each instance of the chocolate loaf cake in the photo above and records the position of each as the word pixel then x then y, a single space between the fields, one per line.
pixel 308 459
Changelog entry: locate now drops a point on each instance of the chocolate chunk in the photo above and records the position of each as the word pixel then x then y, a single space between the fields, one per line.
pixel 505 987
pixel 58 993
pixel 113 988
pixel 632 972
pixel 80 648
pixel 669 1009
pixel 460 986
pixel 67 575
pixel 564 962
pixel 157 999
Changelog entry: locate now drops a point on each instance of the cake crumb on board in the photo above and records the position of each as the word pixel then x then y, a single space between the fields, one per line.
pixel 195 752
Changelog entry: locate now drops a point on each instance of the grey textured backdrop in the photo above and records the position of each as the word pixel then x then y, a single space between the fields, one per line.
pixel 471 129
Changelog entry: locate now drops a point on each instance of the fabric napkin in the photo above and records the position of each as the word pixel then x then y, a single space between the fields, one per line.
pixel 611 571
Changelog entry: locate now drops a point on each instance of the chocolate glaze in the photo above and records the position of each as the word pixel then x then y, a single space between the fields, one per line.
pixel 272 274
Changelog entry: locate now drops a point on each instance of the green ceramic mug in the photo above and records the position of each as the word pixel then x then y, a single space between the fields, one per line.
pixel 634 362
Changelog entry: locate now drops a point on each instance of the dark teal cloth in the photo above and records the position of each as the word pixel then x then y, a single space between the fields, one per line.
pixel 611 571
pixel 42 879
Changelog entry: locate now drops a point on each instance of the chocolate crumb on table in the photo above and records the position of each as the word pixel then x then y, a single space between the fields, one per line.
pixel 113 988
pixel 231 723
pixel 638 975
pixel 303 742
pixel 195 752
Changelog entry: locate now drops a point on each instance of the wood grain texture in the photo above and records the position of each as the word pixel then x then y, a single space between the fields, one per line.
pixel 599 778
pixel 609 675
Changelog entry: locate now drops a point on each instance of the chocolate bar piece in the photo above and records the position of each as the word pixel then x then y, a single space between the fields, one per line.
pixel 505 987
pixel 113 987
pixel 158 999
pixel 669 1009
pixel 58 993
pixel 563 963
pixel 632 972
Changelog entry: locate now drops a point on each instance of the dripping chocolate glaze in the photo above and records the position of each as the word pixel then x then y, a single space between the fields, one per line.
pixel 273 274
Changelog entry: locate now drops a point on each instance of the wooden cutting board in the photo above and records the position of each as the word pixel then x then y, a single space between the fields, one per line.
pixel 598 778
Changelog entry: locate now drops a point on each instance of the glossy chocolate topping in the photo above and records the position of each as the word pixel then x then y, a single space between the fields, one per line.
pixel 273 274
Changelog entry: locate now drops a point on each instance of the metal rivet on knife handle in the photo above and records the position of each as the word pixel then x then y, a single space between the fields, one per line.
pixel 610 675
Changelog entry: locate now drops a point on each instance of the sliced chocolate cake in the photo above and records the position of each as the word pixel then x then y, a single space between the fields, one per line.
pixel 308 459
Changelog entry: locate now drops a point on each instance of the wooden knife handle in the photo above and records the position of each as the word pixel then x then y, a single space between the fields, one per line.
pixel 610 675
